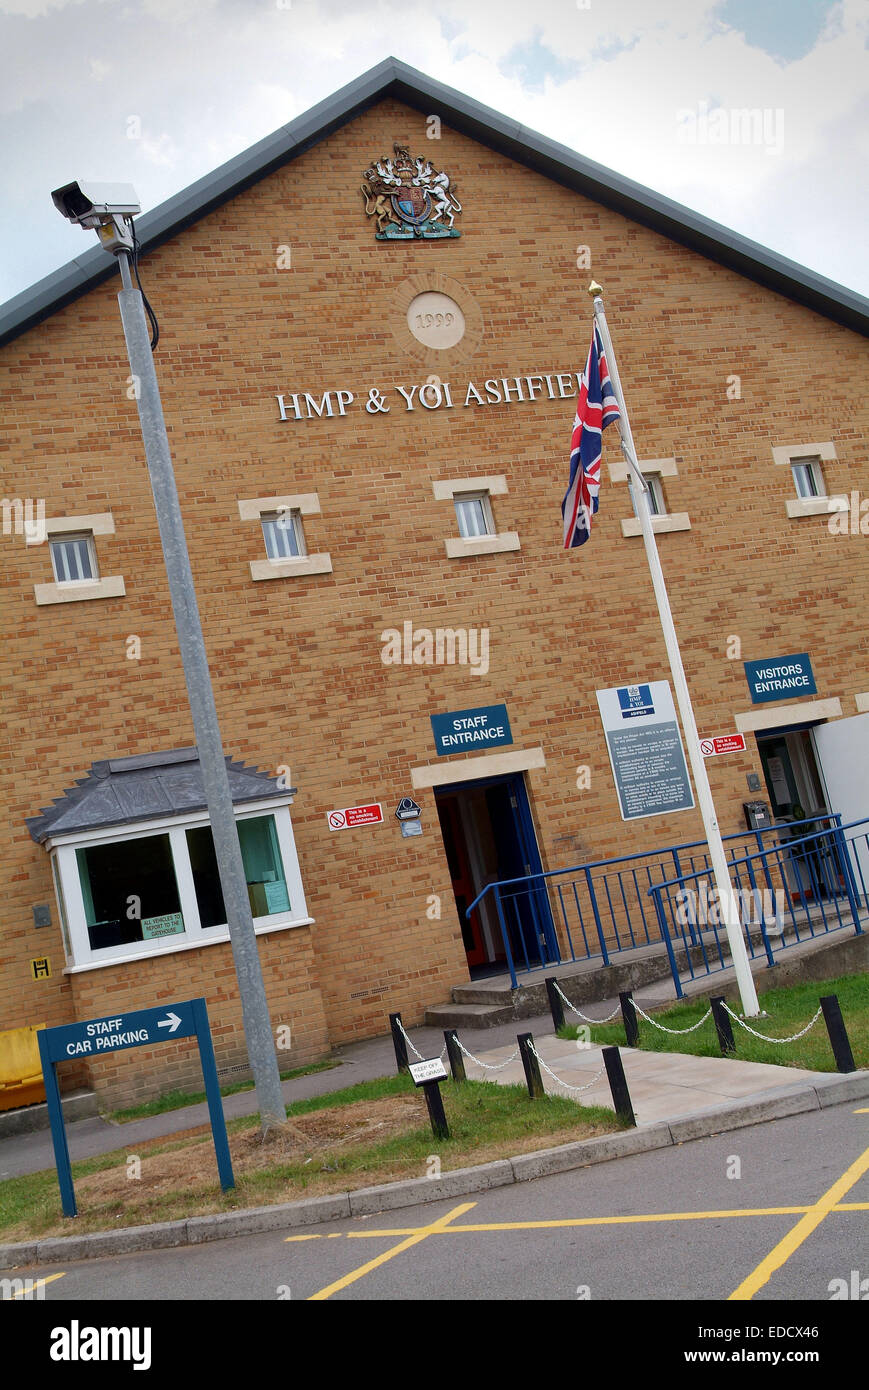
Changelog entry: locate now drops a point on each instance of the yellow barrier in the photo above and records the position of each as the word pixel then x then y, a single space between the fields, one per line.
pixel 20 1067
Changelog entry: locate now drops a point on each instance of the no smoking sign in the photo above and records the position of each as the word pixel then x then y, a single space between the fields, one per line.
pixel 346 818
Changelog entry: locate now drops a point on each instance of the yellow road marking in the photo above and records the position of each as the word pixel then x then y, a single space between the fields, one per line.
pixel 38 1284
pixel 421 1234
pixel 312 1237
pixel 861 1112
pixel 804 1227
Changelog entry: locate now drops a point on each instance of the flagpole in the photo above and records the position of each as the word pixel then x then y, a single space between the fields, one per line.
pixel 640 495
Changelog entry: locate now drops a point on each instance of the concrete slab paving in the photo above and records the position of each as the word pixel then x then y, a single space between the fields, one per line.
pixel 662 1085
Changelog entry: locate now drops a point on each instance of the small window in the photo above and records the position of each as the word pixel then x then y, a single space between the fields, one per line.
pixel 73 559
pixel 474 513
pixel 807 477
pixel 283 535
pixel 657 505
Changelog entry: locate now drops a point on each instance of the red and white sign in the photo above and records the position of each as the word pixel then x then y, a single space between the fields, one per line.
pixel 725 743
pixel 355 815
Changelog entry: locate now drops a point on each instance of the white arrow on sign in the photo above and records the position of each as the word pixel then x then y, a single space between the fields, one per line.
pixel 172 1022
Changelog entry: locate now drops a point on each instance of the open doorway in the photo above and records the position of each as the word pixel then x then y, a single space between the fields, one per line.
pixel 790 771
pixel 488 837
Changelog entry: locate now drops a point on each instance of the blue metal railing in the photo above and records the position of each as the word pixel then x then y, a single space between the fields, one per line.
pixel 602 907
pixel 813 884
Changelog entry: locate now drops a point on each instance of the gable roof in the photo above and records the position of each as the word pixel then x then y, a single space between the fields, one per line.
pixel 392 78
pixel 144 787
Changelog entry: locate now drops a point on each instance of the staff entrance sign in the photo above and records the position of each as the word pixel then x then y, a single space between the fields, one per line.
pixel 645 749
pixel 97 1037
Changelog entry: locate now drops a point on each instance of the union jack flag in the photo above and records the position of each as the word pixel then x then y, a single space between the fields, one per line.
pixel 595 409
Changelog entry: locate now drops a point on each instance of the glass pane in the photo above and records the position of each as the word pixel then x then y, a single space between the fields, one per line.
pixel 130 893
pixel 266 885
pixel 203 862
pixel 72 560
pixel 263 870
pixel 471 516
pixel 804 477
pixel 280 537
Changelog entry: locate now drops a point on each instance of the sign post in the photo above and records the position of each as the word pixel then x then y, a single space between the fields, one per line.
pixel 96 1037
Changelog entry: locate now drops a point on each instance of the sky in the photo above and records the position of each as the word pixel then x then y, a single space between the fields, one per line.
pixel 158 93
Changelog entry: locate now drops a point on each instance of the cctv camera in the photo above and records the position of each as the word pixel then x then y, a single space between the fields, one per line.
pixel 89 204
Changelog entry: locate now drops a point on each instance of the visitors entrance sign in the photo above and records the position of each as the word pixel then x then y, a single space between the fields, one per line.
pixel 97 1037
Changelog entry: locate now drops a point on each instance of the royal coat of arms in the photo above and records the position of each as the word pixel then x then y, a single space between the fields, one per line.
pixel 409 198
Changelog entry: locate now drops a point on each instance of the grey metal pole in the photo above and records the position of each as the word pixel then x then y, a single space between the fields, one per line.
pixel 254 1006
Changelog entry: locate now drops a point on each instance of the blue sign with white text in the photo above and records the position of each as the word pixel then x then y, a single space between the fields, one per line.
pixel 468 730
pixel 635 700
pixel 97 1037
pixel 781 678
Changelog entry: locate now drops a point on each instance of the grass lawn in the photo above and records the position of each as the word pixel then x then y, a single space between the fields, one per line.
pixel 788 1011
pixel 177 1100
pixel 371 1133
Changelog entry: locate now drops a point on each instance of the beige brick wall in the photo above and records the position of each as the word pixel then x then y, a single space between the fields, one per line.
pixel 296 663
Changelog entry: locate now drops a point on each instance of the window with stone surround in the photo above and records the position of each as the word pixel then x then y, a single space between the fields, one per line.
pixel 282 530
pixel 653 471
pixel 805 462
pixel 72 551
pixel 471 499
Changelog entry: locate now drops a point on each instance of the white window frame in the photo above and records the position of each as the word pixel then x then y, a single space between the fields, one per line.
pixel 812 456
pixel 810 469
pixel 290 520
pixel 451 489
pixel 297 504
pixel 485 508
pixel 82 956
pixel 74 537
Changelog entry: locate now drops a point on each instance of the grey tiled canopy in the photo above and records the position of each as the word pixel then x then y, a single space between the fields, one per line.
pixel 144 787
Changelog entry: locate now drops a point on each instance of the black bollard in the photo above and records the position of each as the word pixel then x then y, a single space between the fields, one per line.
pixel 434 1101
pixel 722 1025
pixel 529 1062
pixel 454 1052
pixel 398 1042
pixel 629 1017
pixel 555 1006
pixel 838 1036
pixel 618 1084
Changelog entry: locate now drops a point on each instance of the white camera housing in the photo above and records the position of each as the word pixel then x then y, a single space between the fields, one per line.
pixel 90 204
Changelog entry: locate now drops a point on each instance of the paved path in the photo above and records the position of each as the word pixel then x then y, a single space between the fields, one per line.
pixel 663 1085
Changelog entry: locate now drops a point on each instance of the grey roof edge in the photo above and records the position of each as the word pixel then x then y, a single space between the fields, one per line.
pixel 468 116
pixel 42 826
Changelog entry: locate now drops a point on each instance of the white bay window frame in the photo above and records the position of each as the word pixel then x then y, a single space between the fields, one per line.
pixel 80 955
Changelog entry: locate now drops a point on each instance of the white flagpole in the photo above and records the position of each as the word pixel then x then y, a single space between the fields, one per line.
pixel 640 495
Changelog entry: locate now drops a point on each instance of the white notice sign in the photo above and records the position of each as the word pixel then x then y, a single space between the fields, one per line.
pixel 432 1069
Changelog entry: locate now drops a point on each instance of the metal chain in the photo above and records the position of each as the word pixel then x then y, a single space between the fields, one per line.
pixel 498 1066
pixel 763 1036
pixel 413 1049
pixel 674 1031
pixel 577 1089
pixel 583 1016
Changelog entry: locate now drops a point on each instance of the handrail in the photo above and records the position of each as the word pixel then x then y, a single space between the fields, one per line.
pixel 666 849
pixel 758 854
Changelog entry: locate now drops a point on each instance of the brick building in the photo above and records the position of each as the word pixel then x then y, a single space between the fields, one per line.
pixel 369 417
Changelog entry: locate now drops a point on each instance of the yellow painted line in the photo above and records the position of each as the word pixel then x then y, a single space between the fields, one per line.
pixel 421 1234
pixel 38 1284
pixel 794 1239
pixel 312 1237
pixel 861 1112
pixel 593 1221
pixel 330 1235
